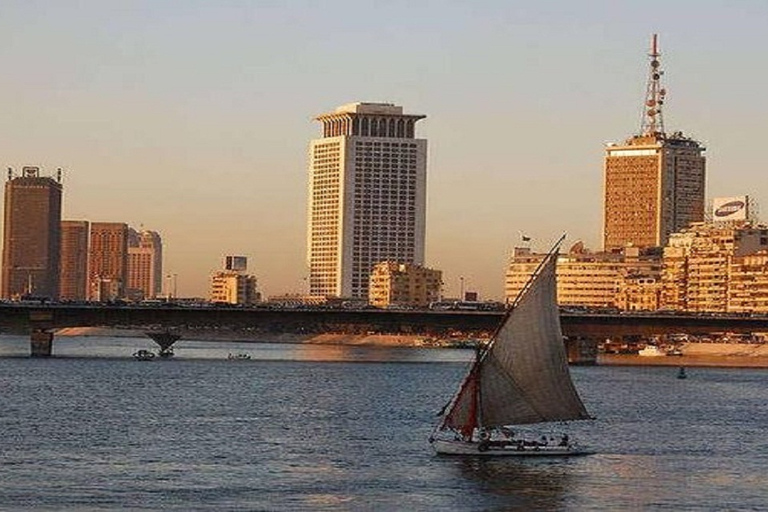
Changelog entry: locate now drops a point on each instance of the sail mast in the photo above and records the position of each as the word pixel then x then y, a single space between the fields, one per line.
pixel 555 248
pixel 522 375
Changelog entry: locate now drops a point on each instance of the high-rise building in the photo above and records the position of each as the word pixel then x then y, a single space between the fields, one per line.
pixel 367 196
pixel 32 222
pixel 107 261
pixel 145 265
pixel 654 181
pixel 73 276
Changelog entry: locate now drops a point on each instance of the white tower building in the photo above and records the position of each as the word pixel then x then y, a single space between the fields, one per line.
pixel 367 196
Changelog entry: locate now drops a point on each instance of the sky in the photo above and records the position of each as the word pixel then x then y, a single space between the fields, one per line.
pixel 193 118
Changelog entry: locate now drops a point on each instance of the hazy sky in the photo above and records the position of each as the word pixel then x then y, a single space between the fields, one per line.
pixel 193 118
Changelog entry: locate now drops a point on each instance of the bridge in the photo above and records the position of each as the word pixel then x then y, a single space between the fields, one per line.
pixel 40 320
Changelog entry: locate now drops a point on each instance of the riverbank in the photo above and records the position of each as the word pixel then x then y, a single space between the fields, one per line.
pixel 719 361
pixel 726 355
pixel 223 335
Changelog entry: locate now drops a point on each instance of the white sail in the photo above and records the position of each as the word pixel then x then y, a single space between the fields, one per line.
pixel 523 375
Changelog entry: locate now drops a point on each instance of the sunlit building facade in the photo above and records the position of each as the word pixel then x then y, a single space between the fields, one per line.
pixel 403 284
pixel 145 265
pixel 714 267
pixel 367 197
pixel 584 278
pixel 654 186
pixel 233 285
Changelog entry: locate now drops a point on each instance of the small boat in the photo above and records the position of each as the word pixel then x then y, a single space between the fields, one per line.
pixel 520 377
pixel 681 373
pixel 238 357
pixel 143 355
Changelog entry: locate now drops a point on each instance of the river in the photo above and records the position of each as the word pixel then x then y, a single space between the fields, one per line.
pixel 318 427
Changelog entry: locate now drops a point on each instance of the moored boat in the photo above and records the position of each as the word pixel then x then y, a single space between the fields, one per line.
pixel 143 355
pixel 651 351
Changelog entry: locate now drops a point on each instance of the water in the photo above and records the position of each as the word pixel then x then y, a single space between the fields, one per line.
pixel 344 428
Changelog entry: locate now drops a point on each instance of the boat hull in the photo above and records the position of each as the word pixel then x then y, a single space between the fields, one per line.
pixel 446 447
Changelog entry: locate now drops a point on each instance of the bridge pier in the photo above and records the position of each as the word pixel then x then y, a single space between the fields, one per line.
pixel 41 343
pixel 41 335
pixel 581 350
pixel 165 339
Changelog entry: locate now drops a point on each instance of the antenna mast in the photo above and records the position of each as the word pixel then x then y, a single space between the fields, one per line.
pixel 653 120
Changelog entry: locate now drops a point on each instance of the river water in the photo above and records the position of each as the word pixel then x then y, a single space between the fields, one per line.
pixel 307 427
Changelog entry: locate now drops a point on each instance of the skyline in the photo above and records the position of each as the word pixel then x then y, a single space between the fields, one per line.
pixel 202 116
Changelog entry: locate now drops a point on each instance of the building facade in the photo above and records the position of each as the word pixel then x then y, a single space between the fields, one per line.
pixel 234 285
pixel 588 279
pixel 32 235
pixel 654 181
pixel 367 197
pixel 715 267
pixel 145 265
pixel 403 284
pixel 73 277
pixel 107 261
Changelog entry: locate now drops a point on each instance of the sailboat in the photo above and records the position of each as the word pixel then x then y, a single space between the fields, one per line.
pixel 520 377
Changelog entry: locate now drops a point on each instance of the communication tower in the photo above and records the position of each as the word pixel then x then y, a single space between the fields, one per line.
pixel 652 122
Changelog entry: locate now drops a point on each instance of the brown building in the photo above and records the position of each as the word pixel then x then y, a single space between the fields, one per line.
pixel 108 261
pixel 654 182
pixel 32 217
pixel 145 265
pixel 73 276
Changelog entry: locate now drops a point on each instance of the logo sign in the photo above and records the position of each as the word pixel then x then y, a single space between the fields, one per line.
pixel 730 208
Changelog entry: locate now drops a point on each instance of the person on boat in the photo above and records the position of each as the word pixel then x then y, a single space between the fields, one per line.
pixel 564 440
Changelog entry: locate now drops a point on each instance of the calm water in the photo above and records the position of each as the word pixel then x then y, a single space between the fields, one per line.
pixel 344 428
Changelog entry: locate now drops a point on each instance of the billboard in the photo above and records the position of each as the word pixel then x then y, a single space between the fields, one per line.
pixel 730 208
pixel 239 263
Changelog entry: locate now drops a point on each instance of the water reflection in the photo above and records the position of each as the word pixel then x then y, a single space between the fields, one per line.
pixel 528 484
pixel 124 347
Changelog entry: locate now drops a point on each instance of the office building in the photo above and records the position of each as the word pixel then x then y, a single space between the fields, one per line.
pixel 107 261
pixel 145 265
pixel 654 181
pixel 403 285
pixel 73 278
pixel 31 238
pixel 234 285
pixel 367 197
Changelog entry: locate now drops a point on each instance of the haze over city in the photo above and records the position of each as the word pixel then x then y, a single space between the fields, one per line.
pixel 194 119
